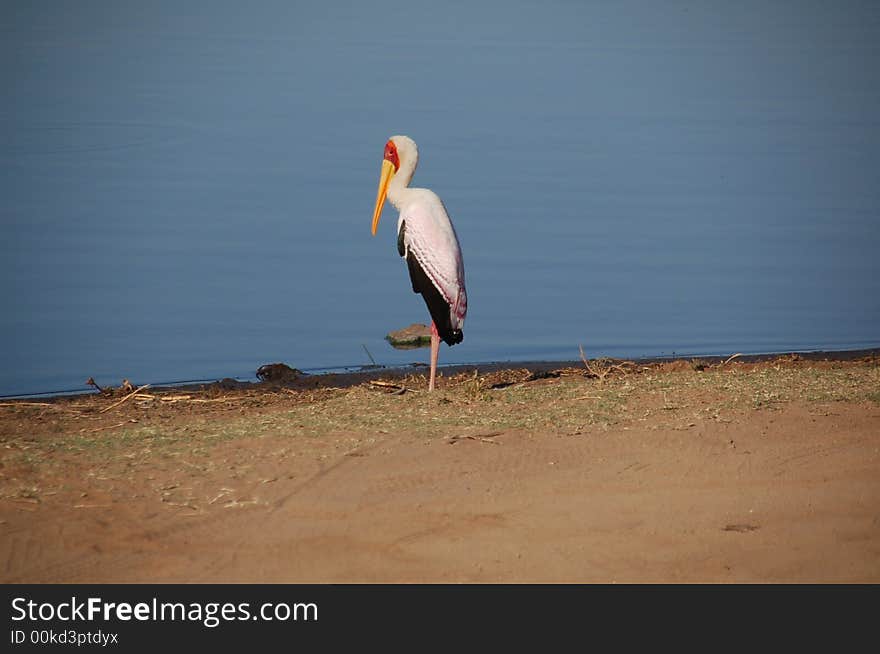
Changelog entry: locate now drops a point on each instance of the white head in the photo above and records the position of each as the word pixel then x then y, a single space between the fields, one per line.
pixel 401 156
pixel 407 150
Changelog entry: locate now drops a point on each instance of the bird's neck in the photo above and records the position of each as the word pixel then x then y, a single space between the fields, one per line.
pixel 397 189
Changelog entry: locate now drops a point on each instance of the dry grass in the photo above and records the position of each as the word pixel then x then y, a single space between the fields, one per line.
pixel 566 401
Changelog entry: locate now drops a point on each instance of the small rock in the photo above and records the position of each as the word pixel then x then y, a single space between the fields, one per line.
pixel 416 335
pixel 278 372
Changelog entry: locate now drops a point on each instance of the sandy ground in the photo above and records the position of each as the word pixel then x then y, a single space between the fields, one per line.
pixel 738 472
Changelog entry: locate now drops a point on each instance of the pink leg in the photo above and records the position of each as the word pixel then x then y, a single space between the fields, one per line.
pixel 435 352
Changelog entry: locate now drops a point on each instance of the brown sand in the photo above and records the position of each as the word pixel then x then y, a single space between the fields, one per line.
pixel 677 472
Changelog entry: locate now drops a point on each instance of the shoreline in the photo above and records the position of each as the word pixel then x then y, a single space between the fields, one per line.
pixel 354 375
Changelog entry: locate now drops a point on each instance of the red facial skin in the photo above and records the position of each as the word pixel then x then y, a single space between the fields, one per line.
pixel 391 155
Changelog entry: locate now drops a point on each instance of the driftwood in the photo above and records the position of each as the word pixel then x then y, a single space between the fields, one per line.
pixel 124 399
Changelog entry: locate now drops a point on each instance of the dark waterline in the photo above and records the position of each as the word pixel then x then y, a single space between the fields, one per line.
pixel 485 366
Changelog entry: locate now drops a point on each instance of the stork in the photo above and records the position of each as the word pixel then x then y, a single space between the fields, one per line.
pixel 427 241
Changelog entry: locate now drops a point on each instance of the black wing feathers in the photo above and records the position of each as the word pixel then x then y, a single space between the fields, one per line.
pixel 421 283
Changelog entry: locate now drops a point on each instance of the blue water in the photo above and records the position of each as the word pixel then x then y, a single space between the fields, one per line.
pixel 187 187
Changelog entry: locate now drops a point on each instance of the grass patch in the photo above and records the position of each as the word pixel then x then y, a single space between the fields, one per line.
pixel 566 401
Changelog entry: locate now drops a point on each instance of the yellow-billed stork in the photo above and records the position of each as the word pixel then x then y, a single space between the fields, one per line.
pixel 427 242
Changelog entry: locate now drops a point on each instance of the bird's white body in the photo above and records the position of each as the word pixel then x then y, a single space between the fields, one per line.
pixel 428 243
pixel 429 233
pixel 431 239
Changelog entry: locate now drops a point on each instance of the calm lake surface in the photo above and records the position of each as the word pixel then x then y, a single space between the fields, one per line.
pixel 187 187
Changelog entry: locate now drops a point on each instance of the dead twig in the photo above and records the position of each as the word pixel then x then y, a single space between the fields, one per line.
pixel 731 358
pixel 396 389
pixel 124 399
pixel 372 360
pixel 384 384
pixel 452 440
pixel 223 492
pixel 170 399
pixel 601 370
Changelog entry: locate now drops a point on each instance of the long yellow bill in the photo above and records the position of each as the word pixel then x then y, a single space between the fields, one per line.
pixel 387 173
